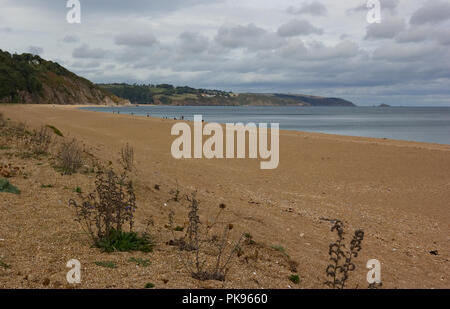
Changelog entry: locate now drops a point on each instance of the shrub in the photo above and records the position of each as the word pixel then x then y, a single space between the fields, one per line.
pixel 207 256
pixel 19 130
pixel 70 157
pixel 149 285
pixel 127 157
pixel 6 187
pixel 341 257
pixel 104 213
pixel 40 140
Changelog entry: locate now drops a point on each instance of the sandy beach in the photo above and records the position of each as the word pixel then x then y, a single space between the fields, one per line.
pixel 397 192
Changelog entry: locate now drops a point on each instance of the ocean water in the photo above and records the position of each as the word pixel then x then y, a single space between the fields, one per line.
pixel 421 124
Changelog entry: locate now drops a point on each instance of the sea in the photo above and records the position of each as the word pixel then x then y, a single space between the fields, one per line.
pixel 420 124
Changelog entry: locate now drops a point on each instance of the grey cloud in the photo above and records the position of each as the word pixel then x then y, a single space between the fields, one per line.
pixel 314 8
pixel 298 27
pixel 85 51
pixel 191 42
pixel 443 36
pixel 432 12
pixel 387 29
pixel 414 35
pixel 93 7
pixel 249 36
pixel 136 39
pixel 35 50
pixel 417 34
pixel 409 52
pixel 390 5
pixel 85 65
pixel 69 39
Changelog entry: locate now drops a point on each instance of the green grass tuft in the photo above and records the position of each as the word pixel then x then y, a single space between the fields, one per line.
pixel 294 279
pixel 149 285
pixel 108 264
pixel 6 187
pixel 280 249
pixel 125 242
pixel 140 262
pixel 55 130
pixel 4 265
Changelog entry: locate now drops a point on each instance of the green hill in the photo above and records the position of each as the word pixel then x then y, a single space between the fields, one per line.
pixel 28 78
pixel 165 94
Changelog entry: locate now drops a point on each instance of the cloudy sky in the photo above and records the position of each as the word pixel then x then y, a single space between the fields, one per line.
pixel 323 47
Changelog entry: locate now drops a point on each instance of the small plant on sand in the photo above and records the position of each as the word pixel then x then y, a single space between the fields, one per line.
pixel 280 249
pixel 341 257
pixel 127 158
pixel 140 262
pixel 294 279
pixel 4 265
pixel 40 141
pixel 107 264
pixel 149 285
pixel 6 187
pixel 70 157
pixel 206 249
pixel 176 194
pixel 20 128
pixel 104 213
pixel 124 242
pixel 55 130
pixel 249 239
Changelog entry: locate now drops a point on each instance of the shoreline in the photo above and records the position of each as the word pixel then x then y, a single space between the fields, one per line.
pixel 286 131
